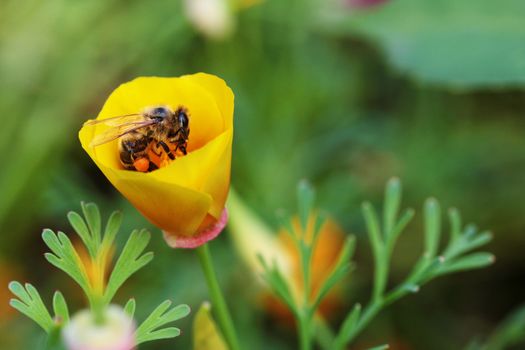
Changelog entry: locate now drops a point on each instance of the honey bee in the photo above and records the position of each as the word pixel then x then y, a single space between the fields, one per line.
pixel 147 140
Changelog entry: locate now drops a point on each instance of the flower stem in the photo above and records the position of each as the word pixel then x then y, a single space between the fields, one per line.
pixel 305 337
pixel 223 315
pixel 98 308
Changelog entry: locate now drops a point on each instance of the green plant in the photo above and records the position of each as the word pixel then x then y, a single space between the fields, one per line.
pixel 90 274
pixel 383 234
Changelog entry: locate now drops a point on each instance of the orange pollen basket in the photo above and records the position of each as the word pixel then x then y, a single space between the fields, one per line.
pixel 141 164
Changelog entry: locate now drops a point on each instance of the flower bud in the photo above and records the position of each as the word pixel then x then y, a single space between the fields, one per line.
pixel 115 333
pixel 214 18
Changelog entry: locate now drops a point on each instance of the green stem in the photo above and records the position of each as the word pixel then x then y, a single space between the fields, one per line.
pixel 54 340
pixel 369 313
pixel 305 338
pixel 307 313
pixel 98 308
pixel 223 315
pixel 381 274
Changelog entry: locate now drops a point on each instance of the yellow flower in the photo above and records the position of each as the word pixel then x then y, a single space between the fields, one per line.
pixel 185 198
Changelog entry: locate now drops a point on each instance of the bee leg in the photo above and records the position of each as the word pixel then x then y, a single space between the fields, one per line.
pixel 166 149
pixel 182 148
pixel 152 166
pixel 172 135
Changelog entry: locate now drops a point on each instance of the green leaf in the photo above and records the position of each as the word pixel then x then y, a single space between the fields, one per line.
pixel 340 269
pixel 80 227
pixel 399 228
pixel 319 222
pixel 461 242
pixel 346 330
pixel 129 262
pixel 467 243
pixel 392 203
pixel 278 283
pixel 30 304
pixel 60 308
pixel 162 315
pixel 472 261
pixel 379 250
pixel 373 229
pixel 305 254
pixel 336 276
pixel 286 223
pixel 479 240
pixel 206 335
pixel 432 226
pixel 129 308
pixel 92 215
pixel 305 200
pixel 112 228
pixel 323 333
pixel 66 258
pixel 469 45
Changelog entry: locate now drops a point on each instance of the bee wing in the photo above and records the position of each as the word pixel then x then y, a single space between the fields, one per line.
pixel 118 131
pixel 118 120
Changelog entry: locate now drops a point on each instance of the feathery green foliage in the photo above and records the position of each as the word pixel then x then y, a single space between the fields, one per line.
pixel 99 245
pixel 456 256
pixel 151 329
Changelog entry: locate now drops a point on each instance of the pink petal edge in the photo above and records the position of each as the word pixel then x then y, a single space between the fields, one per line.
pixel 200 238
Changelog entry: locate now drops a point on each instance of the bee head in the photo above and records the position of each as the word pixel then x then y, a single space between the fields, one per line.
pixel 182 118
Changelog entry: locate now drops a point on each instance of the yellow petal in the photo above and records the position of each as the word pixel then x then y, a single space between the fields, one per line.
pixel 221 93
pixel 168 206
pixel 205 170
pixel 206 336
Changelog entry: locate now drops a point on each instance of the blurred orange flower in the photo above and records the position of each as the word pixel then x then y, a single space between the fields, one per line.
pixel 325 255
pixel 185 198
pixel 252 238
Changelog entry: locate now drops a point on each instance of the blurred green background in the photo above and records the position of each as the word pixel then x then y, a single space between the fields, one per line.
pixel 343 93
